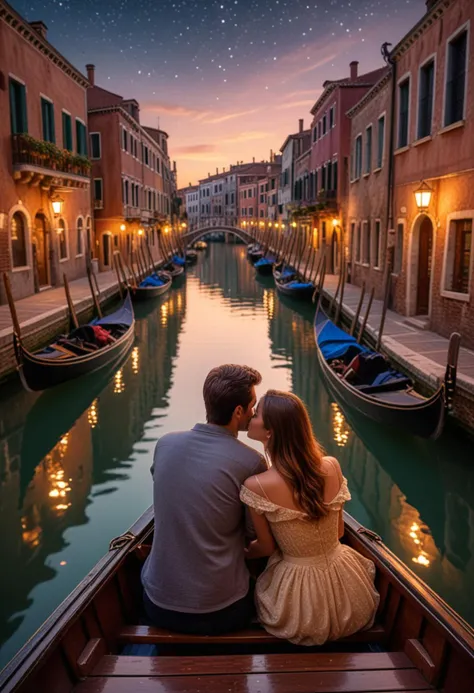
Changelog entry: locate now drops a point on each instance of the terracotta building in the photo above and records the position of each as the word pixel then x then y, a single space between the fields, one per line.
pixel 292 148
pixel 132 183
pixel 366 213
pixel 434 143
pixel 43 160
pixel 330 152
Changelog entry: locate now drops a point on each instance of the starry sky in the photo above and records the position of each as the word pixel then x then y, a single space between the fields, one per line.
pixel 227 79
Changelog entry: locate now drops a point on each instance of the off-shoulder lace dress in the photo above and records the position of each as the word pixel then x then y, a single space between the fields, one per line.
pixel 314 588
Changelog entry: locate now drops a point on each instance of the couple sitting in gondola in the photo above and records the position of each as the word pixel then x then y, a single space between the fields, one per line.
pixel 217 505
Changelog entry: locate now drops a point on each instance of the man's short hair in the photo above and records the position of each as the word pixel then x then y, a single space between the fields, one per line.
pixel 225 388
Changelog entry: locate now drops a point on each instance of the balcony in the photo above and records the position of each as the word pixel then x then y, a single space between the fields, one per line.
pixel 328 198
pixel 132 213
pixel 39 163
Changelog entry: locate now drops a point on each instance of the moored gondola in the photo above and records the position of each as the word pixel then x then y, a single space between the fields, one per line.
pixel 365 381
pixel 156 284
pixel 291 285
pixel 93 640
pixel 173 269
pixel 264 265
pixel 85 349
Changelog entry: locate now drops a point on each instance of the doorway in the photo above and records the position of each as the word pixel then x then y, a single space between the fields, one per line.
pixel 425 255
pixel 41 248
pixel 106 249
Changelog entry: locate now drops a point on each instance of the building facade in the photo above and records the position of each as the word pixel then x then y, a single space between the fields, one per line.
pixel 434 135
pixel 131 180
pixel 190 197
pixel 45 208
pixel 367 211
pixel 291 149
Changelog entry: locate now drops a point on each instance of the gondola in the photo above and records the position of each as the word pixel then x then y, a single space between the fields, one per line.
pixel 154 285
pixel 265 264
pixel 200 245
pixel 79 352
pixel 172 268
pixel 283 271
pixel 364 380
pixel 96 640
pixel 255 252
pixel 290 285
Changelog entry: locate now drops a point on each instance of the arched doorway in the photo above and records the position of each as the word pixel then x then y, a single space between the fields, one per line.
pixel 41 248
pixel 425 260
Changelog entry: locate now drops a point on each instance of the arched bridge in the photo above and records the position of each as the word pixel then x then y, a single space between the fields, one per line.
pixel 192 236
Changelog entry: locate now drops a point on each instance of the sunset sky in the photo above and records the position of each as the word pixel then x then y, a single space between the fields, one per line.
pixel 227 79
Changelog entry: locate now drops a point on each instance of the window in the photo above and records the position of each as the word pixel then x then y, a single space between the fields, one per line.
pixel 146 156
pixel 358 243
pixel 375 250
pixel 47 115
pixel 18 115
pixel 334 173
pixel 456 79
pixel 124 139
pixel 397 262
pixel 403 112
pixel 95 145
pixel 98 193
pixel 425 100
pixel 81 142
pixel 329 176
pixel 80 238
pixel 319 130
pixel 18 240
pixel 315 134
pixel 62 236
pixel 366 242
pixel 380 141
pixel 358 157
pixel 67 131
pixel 368 149
pixel 331 117
pixel 125 192
pixel 325 120
pixel 458 259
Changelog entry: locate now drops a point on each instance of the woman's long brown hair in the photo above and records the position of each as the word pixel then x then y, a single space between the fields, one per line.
pixel 294 450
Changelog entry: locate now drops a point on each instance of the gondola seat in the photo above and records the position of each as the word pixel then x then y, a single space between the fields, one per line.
pixel 388 381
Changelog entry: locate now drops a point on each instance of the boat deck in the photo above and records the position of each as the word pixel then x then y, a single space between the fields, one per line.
pixel 310 671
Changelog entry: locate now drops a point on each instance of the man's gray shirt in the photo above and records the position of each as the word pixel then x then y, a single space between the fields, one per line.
pixel 197 564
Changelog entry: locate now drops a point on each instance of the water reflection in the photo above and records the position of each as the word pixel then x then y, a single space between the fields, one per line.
pixel 63 451
pixel 74 462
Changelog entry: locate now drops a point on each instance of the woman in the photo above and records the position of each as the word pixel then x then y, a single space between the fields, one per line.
pixel 314 588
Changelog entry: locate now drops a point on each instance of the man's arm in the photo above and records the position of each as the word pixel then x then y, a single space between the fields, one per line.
pixel 250 534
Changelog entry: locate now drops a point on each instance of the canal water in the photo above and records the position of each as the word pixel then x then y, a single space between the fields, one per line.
pixel 74 462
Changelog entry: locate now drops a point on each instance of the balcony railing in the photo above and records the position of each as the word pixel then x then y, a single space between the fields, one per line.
pixel 30 155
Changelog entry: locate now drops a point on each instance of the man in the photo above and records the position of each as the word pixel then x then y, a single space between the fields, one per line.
pixel 195 578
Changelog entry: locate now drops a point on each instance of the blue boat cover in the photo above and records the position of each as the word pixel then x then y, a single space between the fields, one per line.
pixel 265 261
pixel 287 272
pixel 299 285
pixel 151 281
pixel 334 342
pixel 178 260
pixel 122 316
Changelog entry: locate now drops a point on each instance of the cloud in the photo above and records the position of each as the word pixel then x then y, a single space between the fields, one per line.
pixel 195 149
pixel 246 136
pixel 294 104
pixel 159 108
pixel 231 116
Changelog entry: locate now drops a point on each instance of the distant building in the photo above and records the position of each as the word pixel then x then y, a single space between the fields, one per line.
pixel 190 197
pixel 291 150
pixel 43 160
pixel 132 183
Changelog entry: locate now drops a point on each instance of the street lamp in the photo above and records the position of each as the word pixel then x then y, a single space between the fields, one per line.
pixel 336 222
pixel 140 232
pixel 123 227
pixel 57 203
pixel 423 196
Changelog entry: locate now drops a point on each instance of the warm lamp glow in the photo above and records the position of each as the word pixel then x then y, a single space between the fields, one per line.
pixel 423 196
pixel 335 222
pixel 167 229
pixel 294 224
pixel 262 223
pixel 57 206
pixel 123 227
pixel 140 232
pixel 183 225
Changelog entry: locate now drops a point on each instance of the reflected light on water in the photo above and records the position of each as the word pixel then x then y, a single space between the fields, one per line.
pixel 93 414
pixel 269 303
pixel 135 360
pixel 59 489
pixel 164 314
pixel 119 383
pixel 341 431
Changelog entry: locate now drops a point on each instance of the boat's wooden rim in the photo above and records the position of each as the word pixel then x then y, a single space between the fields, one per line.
pixel 425 402
pixel 31 656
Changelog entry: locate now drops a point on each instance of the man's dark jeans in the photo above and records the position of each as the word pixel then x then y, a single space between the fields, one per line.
pixel 236 616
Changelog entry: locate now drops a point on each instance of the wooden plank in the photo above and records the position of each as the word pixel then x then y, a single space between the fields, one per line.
pixel 111 665
pixel 419 656
pixel 258 636
pixel 91 655
pixel 322 682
